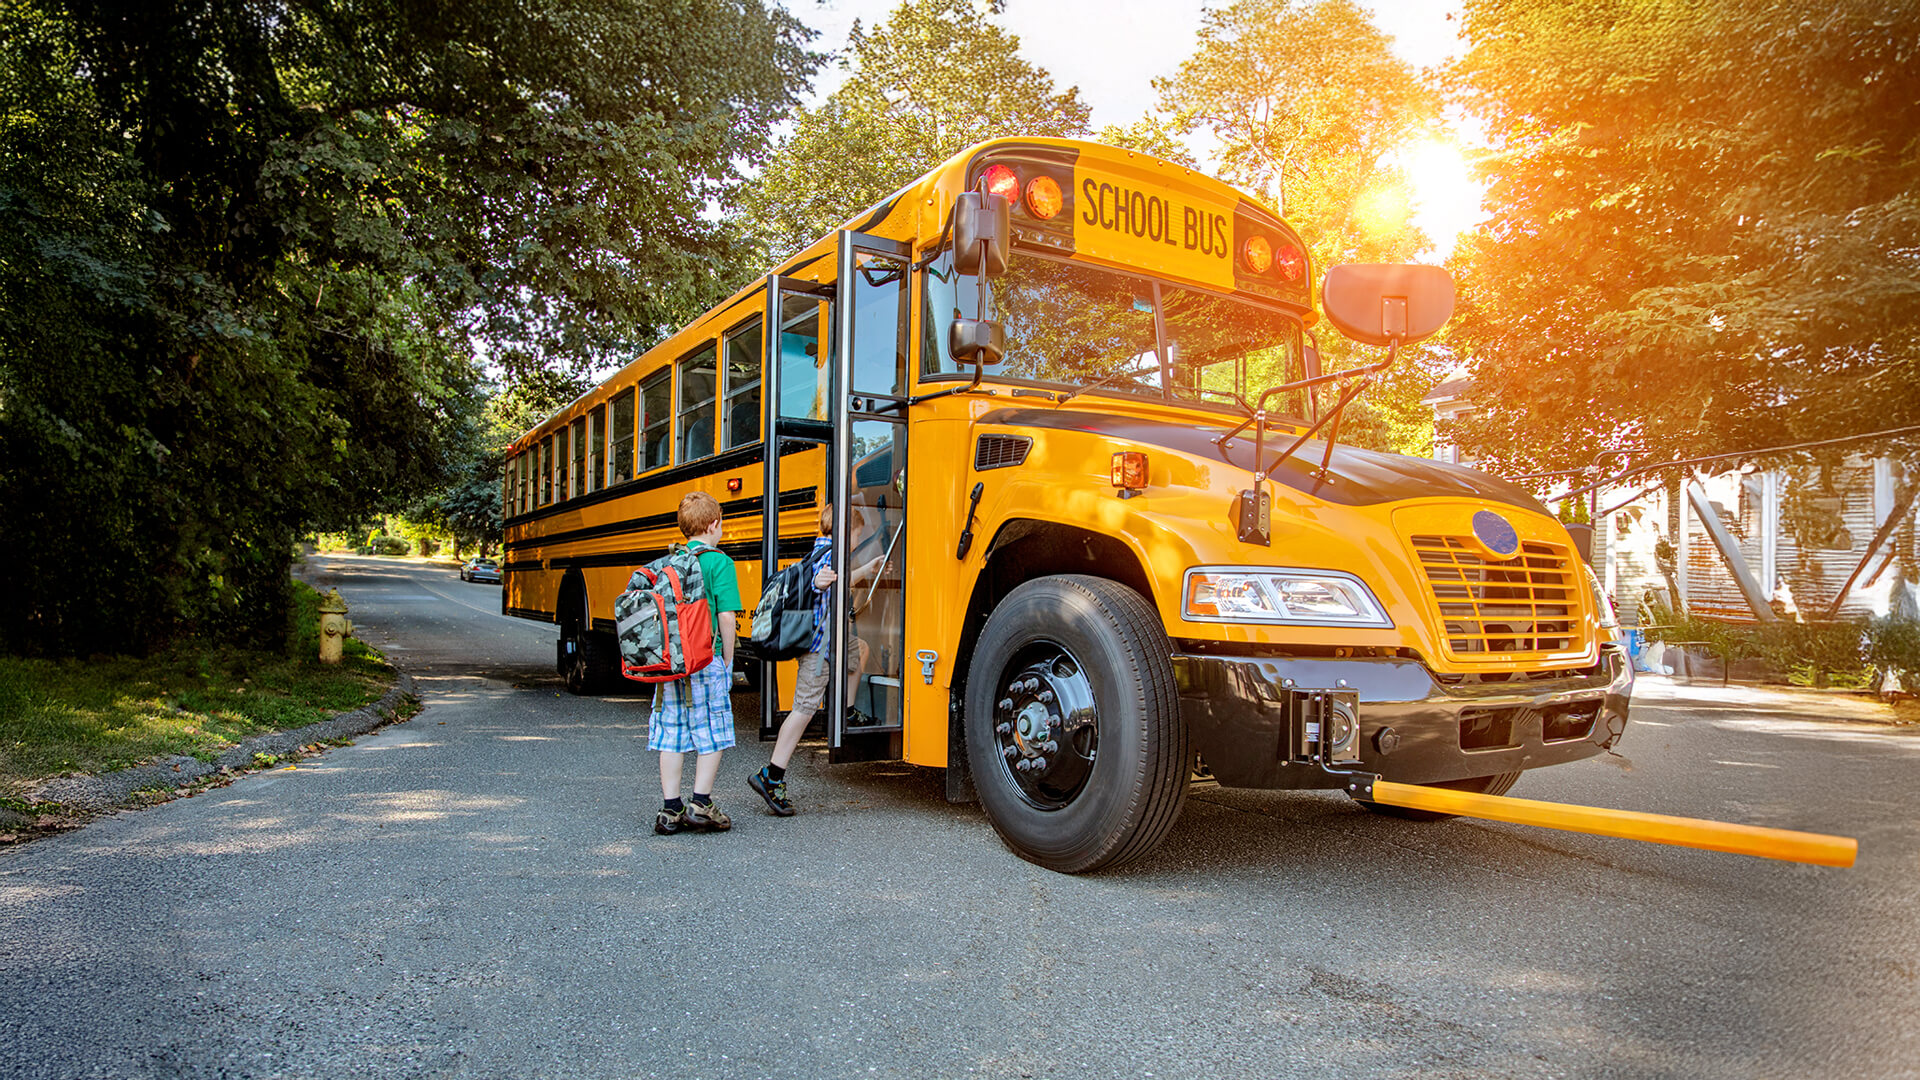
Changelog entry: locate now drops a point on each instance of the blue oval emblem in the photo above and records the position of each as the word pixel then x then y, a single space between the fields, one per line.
pixel 1496 532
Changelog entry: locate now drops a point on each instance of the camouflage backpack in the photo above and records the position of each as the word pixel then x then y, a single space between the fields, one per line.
pixel 662 620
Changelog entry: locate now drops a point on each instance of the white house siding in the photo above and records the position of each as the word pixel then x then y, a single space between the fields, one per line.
pixel 1811 576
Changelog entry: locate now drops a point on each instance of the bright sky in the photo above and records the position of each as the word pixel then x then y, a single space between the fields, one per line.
pixel 1114 49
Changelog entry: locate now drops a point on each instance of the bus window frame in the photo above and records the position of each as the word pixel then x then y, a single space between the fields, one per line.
pixel 544 492
pixel 683 408
pixel 577 469
pixel 658 377
pixel 923 269
pixel 597 448
pixel 632 396
pixel 724 384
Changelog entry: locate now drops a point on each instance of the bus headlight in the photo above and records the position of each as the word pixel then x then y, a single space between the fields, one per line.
pixel 1280 595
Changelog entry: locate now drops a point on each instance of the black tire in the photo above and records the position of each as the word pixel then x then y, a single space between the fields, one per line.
pixel 1497 784
pixel 592 669
pixel 1113 790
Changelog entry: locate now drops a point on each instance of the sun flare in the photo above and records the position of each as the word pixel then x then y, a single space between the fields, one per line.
pixel 1446 196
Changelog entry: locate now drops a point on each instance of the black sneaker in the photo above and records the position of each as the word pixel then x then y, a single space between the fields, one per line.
pixel 706 817
pixel 774 791
pixel 668 822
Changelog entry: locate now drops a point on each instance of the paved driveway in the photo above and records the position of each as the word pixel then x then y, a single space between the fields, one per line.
pixel 475 893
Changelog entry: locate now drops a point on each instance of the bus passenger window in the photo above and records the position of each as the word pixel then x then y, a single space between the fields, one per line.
pixel 546 470
pixel 743 387
pixel 623 437
pixel 656 419
pixel 506 488
pixel 579 478
pixel 597 449
pixel 805 375
pixel 697 405
pixel 526 481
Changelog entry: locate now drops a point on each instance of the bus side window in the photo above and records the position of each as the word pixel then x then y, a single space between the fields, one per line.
pixel 743 386
pixel 578 486
pixel 656 419
pixel 506 487
pixel 623 437
pixel 526 483
pixel 697 403
pixel 597 449
pixel 546 470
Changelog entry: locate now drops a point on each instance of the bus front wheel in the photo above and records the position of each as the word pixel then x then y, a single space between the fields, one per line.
pixel 1073 724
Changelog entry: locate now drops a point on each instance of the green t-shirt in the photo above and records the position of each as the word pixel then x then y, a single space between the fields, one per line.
pixel 723 585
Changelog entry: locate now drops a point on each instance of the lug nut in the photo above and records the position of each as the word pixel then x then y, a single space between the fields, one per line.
pixel 1023 765
pixel 1046 697
pixel 1051 746
pixel 1011 751
pixel 1006 704
pixel 1003 728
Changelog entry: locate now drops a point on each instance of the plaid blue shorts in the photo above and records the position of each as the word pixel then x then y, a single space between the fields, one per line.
pixel 695 713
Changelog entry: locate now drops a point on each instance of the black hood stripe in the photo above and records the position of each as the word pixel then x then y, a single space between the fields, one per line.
pixel 1359 477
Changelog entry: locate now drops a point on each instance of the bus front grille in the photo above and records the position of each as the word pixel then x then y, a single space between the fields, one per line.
pixel 1525 604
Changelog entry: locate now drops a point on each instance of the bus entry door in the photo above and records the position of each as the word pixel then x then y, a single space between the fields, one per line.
pixel 866 714
pixel 797 414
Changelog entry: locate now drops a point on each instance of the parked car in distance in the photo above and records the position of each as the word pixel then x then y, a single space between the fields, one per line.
pixel 480 570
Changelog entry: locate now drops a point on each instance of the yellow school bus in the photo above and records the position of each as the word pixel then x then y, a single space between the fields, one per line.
pixel 1070 395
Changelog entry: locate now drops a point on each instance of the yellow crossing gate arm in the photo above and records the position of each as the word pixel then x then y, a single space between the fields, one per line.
pixel 1629 824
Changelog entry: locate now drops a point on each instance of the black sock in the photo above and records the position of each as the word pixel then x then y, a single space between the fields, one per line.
pixel 775 773
pixel 674 806
pixel 701 800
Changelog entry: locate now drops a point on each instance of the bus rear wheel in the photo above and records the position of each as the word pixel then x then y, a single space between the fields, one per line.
pixel 1497 784
pixel 590 665
pixel 1073 724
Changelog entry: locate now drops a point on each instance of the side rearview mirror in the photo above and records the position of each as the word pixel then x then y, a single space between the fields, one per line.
pixel 1387 303
pixel 982 231
pixel 978 341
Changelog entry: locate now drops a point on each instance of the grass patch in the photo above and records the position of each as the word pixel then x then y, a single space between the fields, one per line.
pixel 105 713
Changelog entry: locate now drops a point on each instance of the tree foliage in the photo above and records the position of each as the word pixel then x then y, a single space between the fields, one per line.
pixel 246 249
pixel 937 77
pixel 1306 104
pixel 1703 226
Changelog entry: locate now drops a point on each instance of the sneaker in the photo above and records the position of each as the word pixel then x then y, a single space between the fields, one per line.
pixel 708 818
pixel 774 791
pixel 668 822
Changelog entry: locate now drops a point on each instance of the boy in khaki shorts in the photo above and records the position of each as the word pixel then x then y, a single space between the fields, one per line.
pixel 810 685
pixel 696 713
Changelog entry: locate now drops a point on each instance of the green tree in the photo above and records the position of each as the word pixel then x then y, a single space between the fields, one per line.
pixel 1306 104
pixel 247 248
pixel 937 77
pixel 1702 229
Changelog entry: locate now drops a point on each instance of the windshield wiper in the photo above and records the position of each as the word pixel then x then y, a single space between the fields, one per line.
pixel 1107 381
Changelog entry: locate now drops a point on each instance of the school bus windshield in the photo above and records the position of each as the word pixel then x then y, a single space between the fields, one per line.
pixel 1073 325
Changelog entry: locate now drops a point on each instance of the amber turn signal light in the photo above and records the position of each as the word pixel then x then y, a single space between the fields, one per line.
pixel 1043 197
pixel 1257 253
pixel 1129 470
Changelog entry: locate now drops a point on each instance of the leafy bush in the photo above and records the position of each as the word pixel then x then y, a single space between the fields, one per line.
pixel 1894 645
pixel 1805 653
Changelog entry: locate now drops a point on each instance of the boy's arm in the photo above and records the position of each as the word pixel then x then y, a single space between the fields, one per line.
pixel 727 633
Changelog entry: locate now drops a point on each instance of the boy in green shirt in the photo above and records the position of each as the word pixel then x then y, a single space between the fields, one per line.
pixel 696 713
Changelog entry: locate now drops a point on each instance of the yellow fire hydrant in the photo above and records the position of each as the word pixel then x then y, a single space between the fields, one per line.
pixel 334 626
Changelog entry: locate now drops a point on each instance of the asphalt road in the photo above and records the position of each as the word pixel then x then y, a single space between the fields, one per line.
pixel 476 893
